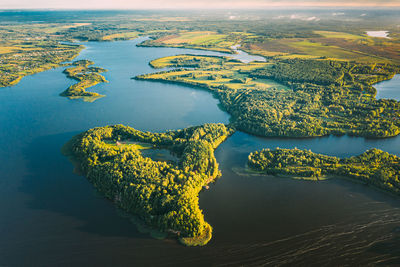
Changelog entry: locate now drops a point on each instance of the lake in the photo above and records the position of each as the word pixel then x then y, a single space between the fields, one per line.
pixel 389 89
pixel 381 34
pixel 51 216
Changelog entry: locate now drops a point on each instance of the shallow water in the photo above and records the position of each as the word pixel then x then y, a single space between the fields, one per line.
pixel 51 216
pixel 245 57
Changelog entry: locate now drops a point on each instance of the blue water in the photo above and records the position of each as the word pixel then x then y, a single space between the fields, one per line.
pixel 389 89
pixel 51 216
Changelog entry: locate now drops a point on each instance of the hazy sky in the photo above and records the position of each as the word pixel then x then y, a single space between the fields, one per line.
pixel 176 4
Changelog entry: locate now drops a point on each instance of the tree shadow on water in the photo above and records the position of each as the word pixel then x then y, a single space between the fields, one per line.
pixel 52 186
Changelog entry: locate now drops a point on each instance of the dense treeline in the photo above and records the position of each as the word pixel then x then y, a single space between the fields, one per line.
pixel 327 72
pixel 320 72
pixel 373 167
pixel 322 97
pixel 162 194
pixel 87 77
pixel 326 97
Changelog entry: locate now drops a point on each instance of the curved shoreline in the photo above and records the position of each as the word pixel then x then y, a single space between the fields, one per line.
pixel 337 123
pixel 197 87
pixel 87 77
pixel 161 194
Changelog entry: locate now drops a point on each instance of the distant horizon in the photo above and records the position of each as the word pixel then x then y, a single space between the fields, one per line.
pixel 195 5
pixel 200 9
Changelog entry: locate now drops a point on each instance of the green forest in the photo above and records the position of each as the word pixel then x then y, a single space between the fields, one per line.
pixel 162 194
pixel 318 80
pixel 293 97
pixel 374 167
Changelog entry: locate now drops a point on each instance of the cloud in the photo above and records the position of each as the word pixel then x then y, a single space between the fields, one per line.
pixel 311 19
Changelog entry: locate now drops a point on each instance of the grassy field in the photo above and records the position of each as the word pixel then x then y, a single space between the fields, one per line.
pixel 333 52
pixel 120 36
pixel 200 40
pixel 195 38
pixel 321 44
pixel 26 49
pixel 128 143
pixel 212 71
pixel 186 60
pixel 341 35
pixel 7 49
pixel 330 45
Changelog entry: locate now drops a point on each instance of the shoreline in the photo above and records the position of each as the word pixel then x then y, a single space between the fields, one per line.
pixel 191 178
pixel 214 92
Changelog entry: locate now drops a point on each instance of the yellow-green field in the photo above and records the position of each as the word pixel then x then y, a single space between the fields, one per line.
pixel 171 61
pixel 7 49
pixel 342 35
pixel 215 72
pixel 30 48
pixel 131 144
pixel 125 36
pixel 320 50
pixel 202 40
pixel 46 28
pixel 199 38
pixel 331 45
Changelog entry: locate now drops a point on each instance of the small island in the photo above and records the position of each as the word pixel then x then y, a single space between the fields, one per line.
pixel 374 167
pixel 87 77
pixel 161 193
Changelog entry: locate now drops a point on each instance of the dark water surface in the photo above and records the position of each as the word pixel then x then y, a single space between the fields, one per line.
pixel 389 89
pixel 50 216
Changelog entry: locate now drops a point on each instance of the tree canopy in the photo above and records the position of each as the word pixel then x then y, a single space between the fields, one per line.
pixel 162 194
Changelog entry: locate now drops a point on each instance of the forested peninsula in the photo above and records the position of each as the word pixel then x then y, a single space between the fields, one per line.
pixel 292 97
pixel 373 167
pixel 86 77
pixel 317 80
pixel 163 194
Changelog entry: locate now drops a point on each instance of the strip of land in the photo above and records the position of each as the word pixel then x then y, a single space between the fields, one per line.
pixel 373 167
pixel 203 40
pixel 87 77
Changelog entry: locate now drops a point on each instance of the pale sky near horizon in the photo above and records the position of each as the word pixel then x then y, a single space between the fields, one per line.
pixel 187 4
